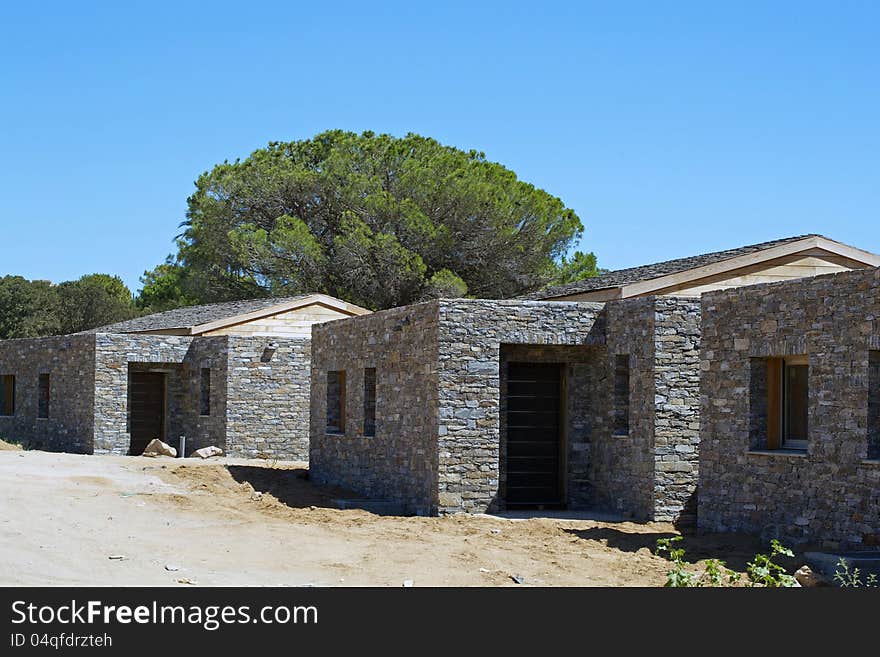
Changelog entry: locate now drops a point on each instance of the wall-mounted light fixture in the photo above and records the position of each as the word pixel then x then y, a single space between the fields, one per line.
pixel 268 352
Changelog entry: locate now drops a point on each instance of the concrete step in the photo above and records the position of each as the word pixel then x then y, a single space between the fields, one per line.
pixel 826 562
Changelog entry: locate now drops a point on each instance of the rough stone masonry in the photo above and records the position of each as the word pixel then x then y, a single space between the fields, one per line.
pixel 440 439
pixel 829 493
pixel 259 393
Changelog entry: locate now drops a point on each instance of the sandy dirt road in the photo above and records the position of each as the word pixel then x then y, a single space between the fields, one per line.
pixel 255 523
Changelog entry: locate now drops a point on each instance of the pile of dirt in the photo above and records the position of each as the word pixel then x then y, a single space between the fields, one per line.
pixel 585 552
pixel 9 447
pixel 280 490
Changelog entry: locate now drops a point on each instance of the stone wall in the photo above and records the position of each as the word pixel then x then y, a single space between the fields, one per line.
pixel 623 464
pixel 438 439
pixel 830 493
pixel 267 397
pixel 399 463
pixel 182 358
pixel 205 430
pixel 69 361
pixel 259 403
pixel 471 333
pixel 581 366
pixel 651 471
pixel 454 354
pixel 176 400
pixel 259 392
pixel 677 332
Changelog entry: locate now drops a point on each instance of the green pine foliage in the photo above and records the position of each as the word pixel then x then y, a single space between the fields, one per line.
pixel 373 219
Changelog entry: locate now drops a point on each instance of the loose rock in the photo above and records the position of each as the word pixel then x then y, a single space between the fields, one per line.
pixel 158 448
pixel 807 577
pixel 208 452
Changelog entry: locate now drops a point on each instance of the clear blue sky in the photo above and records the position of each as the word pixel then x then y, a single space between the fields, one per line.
pixel 670 128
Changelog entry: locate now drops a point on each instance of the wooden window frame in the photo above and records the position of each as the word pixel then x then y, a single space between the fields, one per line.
pixel 777 397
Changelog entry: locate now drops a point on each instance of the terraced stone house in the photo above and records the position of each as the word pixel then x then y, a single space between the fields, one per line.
pixel 234 375
pixel 738 389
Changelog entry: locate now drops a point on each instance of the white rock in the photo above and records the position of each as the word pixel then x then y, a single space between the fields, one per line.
pixel 807 577
pixel 158 448
pixel 208 452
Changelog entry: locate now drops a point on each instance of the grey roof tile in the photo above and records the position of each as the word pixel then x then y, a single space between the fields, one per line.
pixel 184 318
pixel 647 272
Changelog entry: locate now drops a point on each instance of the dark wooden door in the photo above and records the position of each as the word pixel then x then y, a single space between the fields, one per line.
pixel 533 434
pixel 147 409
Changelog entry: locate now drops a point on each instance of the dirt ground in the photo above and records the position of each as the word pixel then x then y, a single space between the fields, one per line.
pixel 69 519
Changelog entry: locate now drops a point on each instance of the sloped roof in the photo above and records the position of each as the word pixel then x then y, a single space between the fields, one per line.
pixel 622 277
pixel 229 312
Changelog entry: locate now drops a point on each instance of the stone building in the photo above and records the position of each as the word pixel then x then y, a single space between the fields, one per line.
pixel 739 390
pixel 791 410
pixel 586 396
pixel 235 375
pixel 477 405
